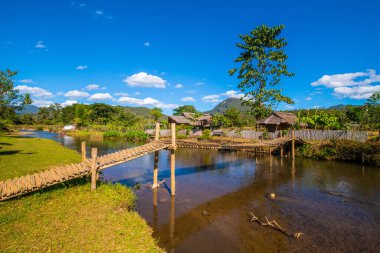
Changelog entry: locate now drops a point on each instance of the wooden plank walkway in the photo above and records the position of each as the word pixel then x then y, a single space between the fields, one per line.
pixel 274 143
pixel 22 185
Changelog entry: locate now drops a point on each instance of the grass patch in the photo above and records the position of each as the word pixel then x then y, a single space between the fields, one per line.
pixel 75 219
pixel 22 155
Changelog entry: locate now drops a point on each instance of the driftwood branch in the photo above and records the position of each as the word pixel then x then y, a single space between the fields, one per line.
pixel 274 225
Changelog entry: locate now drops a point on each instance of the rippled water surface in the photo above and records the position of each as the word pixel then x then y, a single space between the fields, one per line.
pixel 336 205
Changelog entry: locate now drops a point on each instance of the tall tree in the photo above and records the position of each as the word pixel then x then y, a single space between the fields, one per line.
pixel 156 113
pixel 10 99
pixel 185 108
pixel 262 64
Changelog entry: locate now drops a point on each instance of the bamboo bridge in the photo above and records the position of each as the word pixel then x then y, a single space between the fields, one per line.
pixel 11 188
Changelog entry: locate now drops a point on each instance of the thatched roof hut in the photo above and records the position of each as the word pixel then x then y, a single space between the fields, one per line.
pixel 278 121
pixel 190 119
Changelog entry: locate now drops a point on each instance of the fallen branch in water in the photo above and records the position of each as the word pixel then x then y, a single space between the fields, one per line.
pixel 158 184
pixel 274 225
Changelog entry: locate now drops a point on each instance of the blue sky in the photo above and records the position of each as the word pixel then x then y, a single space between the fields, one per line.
pixel 170 53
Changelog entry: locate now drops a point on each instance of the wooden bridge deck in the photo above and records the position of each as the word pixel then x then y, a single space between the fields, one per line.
pixel 22 185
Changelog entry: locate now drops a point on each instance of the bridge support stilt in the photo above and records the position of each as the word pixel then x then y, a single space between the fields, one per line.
pixel 172 160
pixel 155 171
pixel 293 146
pixel 83 149
pixel 94 168
pixel 281 151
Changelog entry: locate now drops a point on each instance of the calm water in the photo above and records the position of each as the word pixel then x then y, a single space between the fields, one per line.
pixel 336 205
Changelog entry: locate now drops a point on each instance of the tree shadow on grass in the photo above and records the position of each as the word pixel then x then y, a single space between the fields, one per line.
pixel 13 152
pixel 5 144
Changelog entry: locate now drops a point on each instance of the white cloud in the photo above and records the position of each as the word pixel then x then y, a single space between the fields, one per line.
pixel 99 12
pixel 81 67
pixel 34 91
pixel 199 84
pixel 40 44
pixel 121 94
pixel 188 99
pixel 219 97
pixel 357 92
pixel 76 94
pixel 100 97
pixel 147 44
pixel 146 102
pixel 26 81
pixel 233 94
pixel 191 91
pixel 143 79
pixel 94 87
pixel 178 86
pixel 137 93
pixel 42 103
pixel 355 85
pixel 69 102
pixel 211 99
pixel 308 98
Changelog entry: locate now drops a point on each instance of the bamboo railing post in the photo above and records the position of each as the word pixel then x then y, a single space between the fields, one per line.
pixel 172 172
pixel 83 151
pixel 94 168
pixel 155 170
pixel 293 146
pixel 157 133
pixel 172 126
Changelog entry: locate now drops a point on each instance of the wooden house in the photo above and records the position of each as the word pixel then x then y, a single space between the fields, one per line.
pixel 278 121
pixel 191 119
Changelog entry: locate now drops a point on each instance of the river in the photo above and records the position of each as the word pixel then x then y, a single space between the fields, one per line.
pixel 335 205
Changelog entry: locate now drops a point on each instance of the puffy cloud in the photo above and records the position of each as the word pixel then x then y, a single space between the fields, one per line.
pixel 143 79
pixel 26 81
pixel 188 99
pixel 233 94
pixel 121 94
pixel 94 87
pixel 42 103
pixel 147 44
pixel 76 94
pixel 100 97
pixel 146 102
pixel 357 92
pixel 69 102
pixel 178 86
pixel 81 67
pixel 199 84
pixel 308 98
pixel 219 97
pixel 34 91
pixel 40 44
pixel 355 85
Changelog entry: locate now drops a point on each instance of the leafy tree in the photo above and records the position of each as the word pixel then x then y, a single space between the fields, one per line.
pixel 101 113
pixel 185 108
pixel 235 117
pixel 262 64
pixel 156 113
pixel 219 120
pixel 10 99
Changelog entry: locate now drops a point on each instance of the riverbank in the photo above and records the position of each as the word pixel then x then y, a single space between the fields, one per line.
pixel 67 217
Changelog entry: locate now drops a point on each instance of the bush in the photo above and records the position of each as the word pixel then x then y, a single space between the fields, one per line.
pixel 112 134
pixel 136 135
pixel 39 128
pixel 205 135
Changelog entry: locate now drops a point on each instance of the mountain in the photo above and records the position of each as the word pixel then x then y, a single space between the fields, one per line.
pixel 28 109
pixel 339 107
pixel 225 104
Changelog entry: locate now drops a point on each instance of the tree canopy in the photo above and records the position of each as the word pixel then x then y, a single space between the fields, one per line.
pixel 262 64
pixel 185 108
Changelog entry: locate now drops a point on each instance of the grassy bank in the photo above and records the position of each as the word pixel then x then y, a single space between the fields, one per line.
pixel 343 150
pixel 20 155
pixel 67 217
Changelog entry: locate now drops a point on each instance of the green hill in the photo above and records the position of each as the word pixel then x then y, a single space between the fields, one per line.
pixel 28 109
pixel 225 104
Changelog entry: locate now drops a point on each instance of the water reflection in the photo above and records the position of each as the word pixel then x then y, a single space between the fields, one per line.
pixel 229 185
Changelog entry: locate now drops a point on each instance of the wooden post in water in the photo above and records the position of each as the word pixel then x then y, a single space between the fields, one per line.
pixel 94 168
pixel 172 161
pixel 293 146
pixel 281 151
pixel 155 170
pixel 171 226
pixel 83 151
pixel 157 132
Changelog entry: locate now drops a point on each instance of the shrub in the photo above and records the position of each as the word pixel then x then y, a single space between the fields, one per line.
pixel 112 134
pixel 205 135
pixel 136 135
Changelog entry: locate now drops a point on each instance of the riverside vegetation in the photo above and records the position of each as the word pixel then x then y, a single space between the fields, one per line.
pixel 69 216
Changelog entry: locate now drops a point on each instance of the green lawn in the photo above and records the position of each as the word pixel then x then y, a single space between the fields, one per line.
pixel 67 217
pixel 21 155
